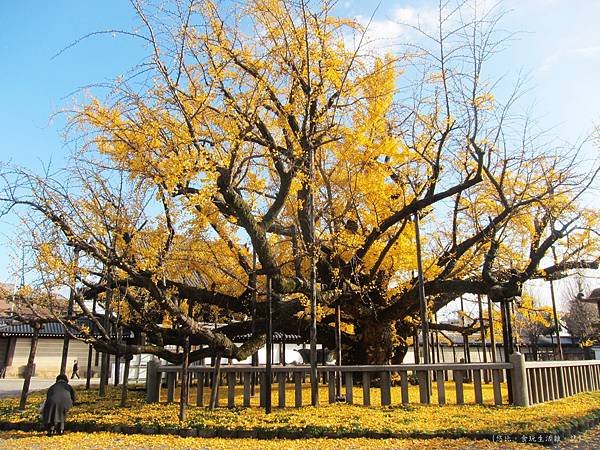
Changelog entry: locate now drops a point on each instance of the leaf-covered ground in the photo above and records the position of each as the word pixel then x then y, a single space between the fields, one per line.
pixel 332 420
pixel 84 441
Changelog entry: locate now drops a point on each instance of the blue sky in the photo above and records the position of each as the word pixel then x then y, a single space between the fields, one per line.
pixel 559 47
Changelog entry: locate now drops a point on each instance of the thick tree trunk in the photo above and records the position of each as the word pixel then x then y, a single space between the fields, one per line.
pixel 377 343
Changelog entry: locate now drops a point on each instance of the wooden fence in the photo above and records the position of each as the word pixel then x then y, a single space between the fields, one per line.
pixel 551 380
pixel 532 382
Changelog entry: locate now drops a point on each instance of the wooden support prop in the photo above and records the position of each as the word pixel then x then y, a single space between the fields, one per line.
pixel 366 380
pixel 298 389
pixel 263 389
pixel 214 394
pixel 386 388
pixel 349 385
pixel 477 386
pixel 441 388
pixel 497 389
pixel 247 376
pixel 281 376
pixel 458 382
pixel 171 386
pixel 404 387
pixel 331 388
pixel 124 386
pixel 152 382
pixel 422 376
pixel 231 390
pixel 200 390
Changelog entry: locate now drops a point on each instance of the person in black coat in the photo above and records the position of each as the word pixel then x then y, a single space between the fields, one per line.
pixel 59 399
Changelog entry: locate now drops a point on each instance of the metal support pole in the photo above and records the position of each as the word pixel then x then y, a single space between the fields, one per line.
pixel 555 315
pixel 514 345
pixel 486 374
pixel 105 360
pixel 185 379
pixel 88 372
pixel 269 363
pixel 314 380
pixel 422 301
pixel 338 351
pixel 556 325
pixel 416 347
pixel 492 333
pixel 509 314
pixel 507 342
pixel 437 343
pixel 253 285
pixel 118 355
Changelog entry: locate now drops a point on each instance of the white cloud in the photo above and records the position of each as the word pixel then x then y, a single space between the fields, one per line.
pixel 563 54
pixel 424 18
pixel 587 51
pixel 402 23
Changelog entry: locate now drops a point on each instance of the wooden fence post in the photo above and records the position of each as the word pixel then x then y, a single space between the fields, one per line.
pixel 519 380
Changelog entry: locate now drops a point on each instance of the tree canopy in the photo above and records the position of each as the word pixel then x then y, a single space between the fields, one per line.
pixel 211 149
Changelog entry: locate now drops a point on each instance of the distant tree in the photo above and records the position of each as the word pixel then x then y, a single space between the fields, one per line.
pixel 33 308
pixel 581 318
pixel 532 321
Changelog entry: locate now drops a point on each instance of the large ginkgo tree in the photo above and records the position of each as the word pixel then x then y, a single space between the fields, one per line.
pixel 262 136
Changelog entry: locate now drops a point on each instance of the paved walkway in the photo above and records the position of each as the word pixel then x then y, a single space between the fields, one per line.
pixel 12 386
pixel 589 440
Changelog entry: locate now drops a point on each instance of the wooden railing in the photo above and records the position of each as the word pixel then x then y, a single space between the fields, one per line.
pixel 532 382
pixel 551 380
pixel 430 377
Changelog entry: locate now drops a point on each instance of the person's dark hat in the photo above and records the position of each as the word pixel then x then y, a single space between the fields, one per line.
pixel 62 377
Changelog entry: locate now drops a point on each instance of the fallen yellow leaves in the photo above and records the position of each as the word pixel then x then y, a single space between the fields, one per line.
pixel 329 420
pixel 85 441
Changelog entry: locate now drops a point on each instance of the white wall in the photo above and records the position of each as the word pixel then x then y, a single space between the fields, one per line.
pixel 48 356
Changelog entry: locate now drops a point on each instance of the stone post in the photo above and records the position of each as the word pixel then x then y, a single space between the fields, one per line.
pixel 519 380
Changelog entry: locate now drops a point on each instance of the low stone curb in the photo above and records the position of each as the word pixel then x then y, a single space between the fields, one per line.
pixel 543 438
